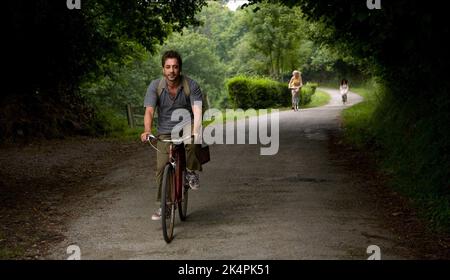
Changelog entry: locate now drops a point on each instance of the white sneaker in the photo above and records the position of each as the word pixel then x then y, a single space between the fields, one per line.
pixel 193 179
pixel 157 215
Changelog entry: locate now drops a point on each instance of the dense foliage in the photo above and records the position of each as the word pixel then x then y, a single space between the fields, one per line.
pixel 63 67
pixel 404 45
pixel 52 48
pixel 223 46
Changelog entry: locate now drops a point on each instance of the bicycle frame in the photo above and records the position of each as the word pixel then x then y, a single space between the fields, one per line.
pixel 177 194
pixel 177 158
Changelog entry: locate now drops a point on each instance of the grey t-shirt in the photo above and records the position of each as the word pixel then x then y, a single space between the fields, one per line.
pixel 167 105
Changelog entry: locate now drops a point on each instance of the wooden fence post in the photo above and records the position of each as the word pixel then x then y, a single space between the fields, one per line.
pixel 130 116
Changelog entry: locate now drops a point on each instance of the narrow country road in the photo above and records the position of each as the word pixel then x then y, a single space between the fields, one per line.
pixel 297 204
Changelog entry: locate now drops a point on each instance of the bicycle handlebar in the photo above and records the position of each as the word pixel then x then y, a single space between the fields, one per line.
pixel 151 138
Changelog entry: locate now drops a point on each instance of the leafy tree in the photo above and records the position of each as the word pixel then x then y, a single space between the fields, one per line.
pixel 124 83
pixel 275 32
pixel 200 47
pixel 53 48
pixel 216 21
pixel 200 62
pixel 404 45
pixel 278 39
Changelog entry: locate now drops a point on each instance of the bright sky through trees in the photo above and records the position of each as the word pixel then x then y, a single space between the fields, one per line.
pixel 234 4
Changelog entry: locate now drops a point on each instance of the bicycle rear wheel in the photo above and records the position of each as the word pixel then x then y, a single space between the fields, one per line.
pixel 168 203
pixel 183 204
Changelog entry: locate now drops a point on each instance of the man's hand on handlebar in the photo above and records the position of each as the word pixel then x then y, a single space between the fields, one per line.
pixel 147 136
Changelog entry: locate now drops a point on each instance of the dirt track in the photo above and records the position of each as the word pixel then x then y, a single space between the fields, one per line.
pixel 297 204
pixel 306 202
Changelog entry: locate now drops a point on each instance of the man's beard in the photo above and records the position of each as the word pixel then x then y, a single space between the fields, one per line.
pixel 171 77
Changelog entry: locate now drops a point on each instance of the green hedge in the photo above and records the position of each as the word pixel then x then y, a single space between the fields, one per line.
pixel 249 92
pixel 245 92
pixel 308 91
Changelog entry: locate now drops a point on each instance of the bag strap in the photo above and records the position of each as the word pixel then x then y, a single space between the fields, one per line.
pixel 186 87
pixel 160 87
pixel 184 81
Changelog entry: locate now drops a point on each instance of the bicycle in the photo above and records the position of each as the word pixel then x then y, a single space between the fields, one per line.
pixel 174 189
pixel 344 98
pixel 295 97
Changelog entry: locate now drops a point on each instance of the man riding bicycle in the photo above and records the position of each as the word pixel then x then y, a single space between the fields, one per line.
pixel 169 94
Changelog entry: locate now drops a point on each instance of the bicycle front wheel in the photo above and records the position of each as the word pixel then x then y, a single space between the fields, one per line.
pixel 168 203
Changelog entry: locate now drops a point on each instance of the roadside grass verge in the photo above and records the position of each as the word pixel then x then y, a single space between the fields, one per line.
pixel 320 98
pixel 358 118
pixel 407 152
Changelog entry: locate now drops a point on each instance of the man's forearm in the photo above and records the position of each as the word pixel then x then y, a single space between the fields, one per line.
pixel 197 110
pixel 148 120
